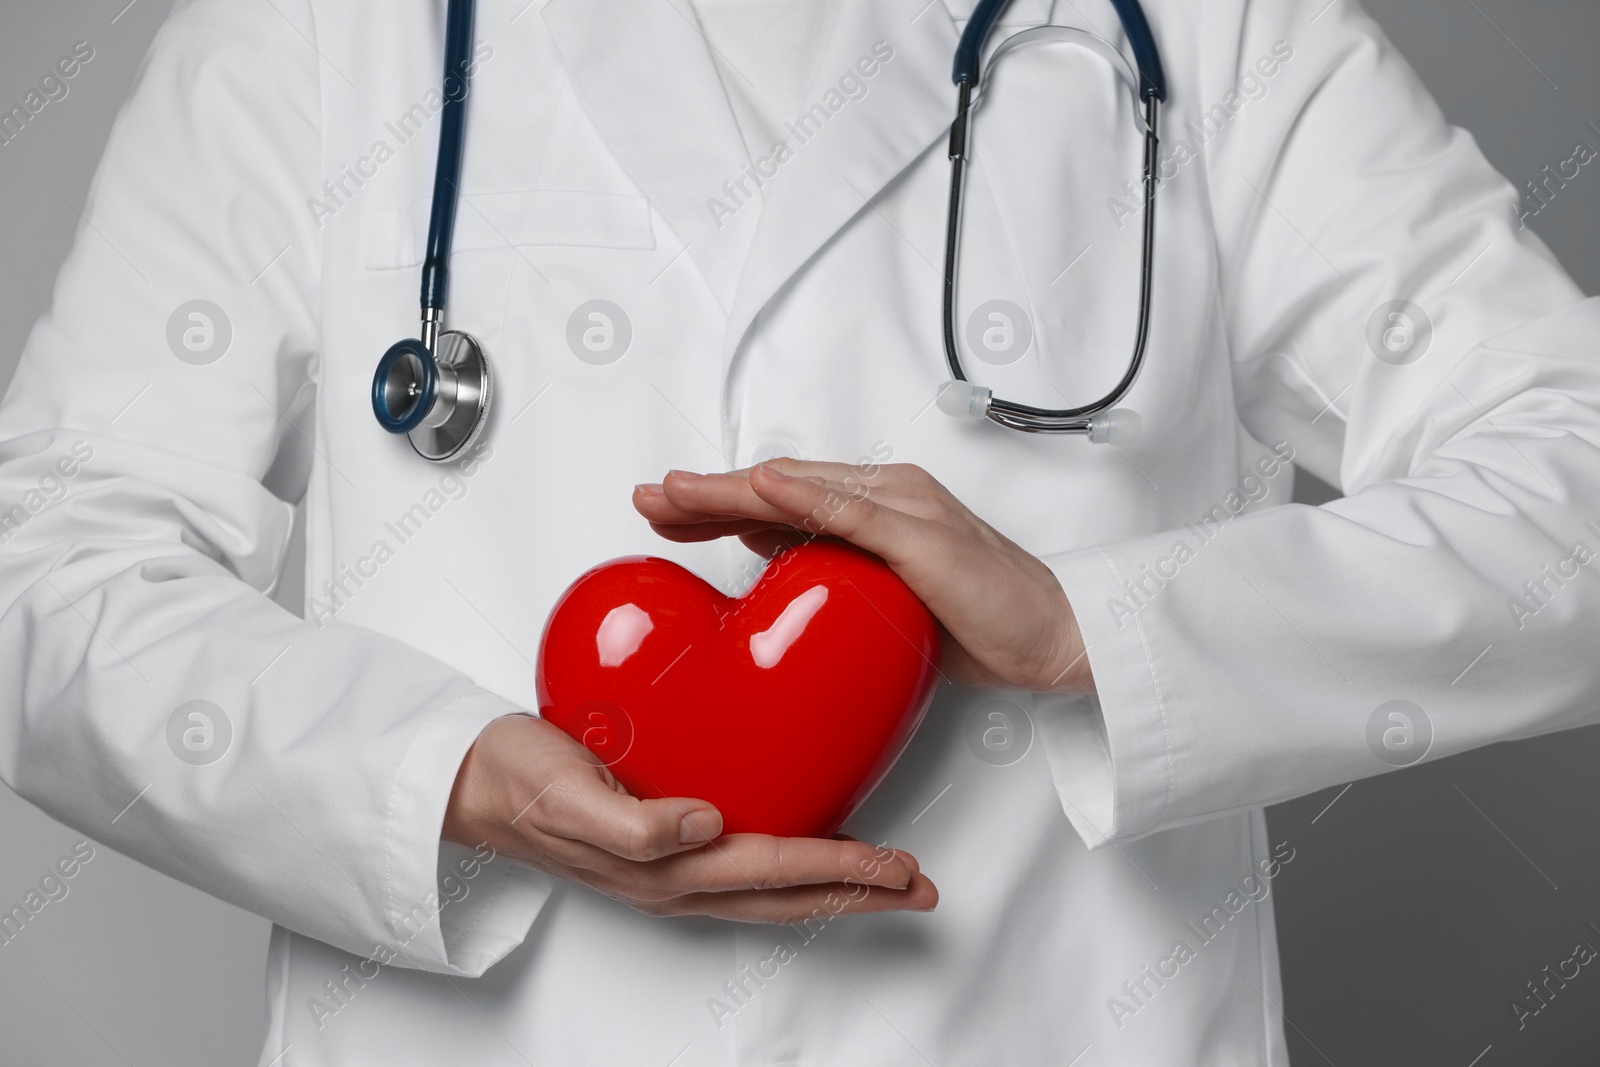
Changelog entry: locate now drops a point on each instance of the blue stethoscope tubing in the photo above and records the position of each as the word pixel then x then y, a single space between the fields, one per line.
pixel 1101 420
pixel 437 388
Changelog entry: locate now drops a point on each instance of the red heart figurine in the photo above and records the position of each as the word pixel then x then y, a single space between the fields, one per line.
pixel 783 707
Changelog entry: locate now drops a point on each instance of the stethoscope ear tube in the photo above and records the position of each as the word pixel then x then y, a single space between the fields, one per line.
pixel 452 138
pixel 968 65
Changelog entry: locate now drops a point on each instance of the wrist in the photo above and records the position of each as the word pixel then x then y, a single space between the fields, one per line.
pixel 476 796
pixel 1067 668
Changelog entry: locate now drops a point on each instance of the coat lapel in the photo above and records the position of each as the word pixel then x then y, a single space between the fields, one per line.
pixel 645 75
pixel 846 159
pixel 836 172
pixel 646 78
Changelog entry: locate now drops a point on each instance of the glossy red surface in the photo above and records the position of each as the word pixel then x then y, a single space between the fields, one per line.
pixel 784 707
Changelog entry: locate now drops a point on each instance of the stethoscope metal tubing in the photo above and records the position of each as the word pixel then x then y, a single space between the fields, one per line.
pixel 1025 417
pixel 952 231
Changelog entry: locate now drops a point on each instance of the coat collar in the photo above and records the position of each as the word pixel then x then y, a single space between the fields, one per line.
pixel 833 175
pixel 646 77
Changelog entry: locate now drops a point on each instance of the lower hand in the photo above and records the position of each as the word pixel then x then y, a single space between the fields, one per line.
pixel 1006 618
pixel 538 796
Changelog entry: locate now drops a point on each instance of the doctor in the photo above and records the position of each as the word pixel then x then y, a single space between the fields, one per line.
pixel 705 237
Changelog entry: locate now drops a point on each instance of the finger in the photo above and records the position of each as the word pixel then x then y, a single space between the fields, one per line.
pixel 842 473
pixel 686 497
pixel 709 529
pixel 845 473
pixel 689 497
pixel 820 508
pixel 772 540
pixel 910 860
pixel 582 808
pixel 755 861
pixel 653 502
pixel 809 902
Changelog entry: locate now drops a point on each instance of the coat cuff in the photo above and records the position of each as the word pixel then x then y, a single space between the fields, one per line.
pixel 450 909
pixel 1109 754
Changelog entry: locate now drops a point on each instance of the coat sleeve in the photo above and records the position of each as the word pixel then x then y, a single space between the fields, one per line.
pixel 151 694
pixel 1450 600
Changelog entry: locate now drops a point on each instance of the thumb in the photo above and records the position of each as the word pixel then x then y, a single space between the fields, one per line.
pixel 583 806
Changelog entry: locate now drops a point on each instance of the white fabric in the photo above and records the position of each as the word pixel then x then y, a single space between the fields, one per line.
pixel 1329 185
pixel 766 53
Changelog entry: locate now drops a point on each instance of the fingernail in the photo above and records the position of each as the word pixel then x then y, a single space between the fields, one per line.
pixel 691 475
pixel 648 489
pixel 700 826
pixel 774 471
pixel 925 909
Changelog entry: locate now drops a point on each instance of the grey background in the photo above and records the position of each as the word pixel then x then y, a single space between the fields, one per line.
pixel 1418 904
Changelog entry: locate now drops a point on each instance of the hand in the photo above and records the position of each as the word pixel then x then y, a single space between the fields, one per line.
pixel 538 796
pixel 1006 619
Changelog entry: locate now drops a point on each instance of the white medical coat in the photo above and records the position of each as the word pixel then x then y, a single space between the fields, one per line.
pixel 276 160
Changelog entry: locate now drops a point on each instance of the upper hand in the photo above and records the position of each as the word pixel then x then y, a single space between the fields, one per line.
pixel 1006 618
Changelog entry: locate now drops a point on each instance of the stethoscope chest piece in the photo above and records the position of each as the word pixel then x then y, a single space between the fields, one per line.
pixel 440 399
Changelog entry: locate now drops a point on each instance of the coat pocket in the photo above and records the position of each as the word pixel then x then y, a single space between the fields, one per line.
pixel 394 238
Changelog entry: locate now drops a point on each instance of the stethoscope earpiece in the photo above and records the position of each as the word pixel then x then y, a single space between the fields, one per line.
pixel 962 400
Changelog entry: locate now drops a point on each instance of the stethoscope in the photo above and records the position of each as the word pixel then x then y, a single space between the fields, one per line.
pixel 437 389
pixel 1102 420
